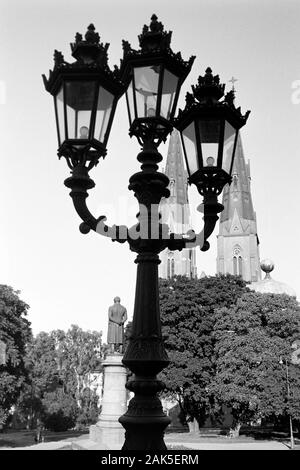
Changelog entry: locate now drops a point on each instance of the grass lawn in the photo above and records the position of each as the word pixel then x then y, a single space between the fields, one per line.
pixel 24 438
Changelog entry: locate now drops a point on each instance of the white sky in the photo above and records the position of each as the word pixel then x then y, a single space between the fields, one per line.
pixel 67 277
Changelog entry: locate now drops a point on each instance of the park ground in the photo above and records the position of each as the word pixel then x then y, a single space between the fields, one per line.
pixel 24 440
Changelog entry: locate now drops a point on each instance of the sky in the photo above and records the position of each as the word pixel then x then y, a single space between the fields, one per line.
pixel 69 278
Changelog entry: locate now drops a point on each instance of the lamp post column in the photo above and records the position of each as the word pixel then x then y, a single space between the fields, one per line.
pixel 145 356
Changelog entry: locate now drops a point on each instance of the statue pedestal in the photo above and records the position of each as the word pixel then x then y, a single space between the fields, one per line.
pixel 108 431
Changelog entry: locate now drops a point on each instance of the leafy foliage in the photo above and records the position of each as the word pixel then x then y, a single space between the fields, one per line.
pixel 61 367
pixel 15 332
pixel 250 339
pixel 188 315
pixel 224 343
pixel 60 410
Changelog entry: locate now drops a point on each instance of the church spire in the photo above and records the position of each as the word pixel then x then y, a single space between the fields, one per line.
pixel 175 171
pixel 175 212
pixel 237 196
pixel 238 244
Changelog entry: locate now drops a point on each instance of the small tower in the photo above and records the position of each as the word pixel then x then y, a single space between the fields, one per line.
pixel 175 212
pixel 238 243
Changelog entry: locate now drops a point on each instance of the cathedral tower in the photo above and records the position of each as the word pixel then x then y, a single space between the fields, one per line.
pixel 176 213
pixel 238 243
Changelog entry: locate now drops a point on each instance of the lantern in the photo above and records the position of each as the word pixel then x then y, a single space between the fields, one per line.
pixel 85 98
pixel 154 76
pixel 209 130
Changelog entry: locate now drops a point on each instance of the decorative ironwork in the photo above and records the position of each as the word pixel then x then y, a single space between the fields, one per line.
pixel 91 67
pixel 207 104
pixel 206 98
pixel 154 51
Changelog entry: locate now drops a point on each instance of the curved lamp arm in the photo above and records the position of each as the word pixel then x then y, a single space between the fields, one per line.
pixel 210 208
pixel 80 183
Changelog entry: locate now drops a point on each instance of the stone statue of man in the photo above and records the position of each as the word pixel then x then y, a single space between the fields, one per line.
pixel 117 316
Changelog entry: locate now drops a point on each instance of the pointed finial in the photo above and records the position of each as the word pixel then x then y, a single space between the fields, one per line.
pixel 78 37
pixel 209 87
pixel 154 37
pixel 58 58
pixel 90 49
pixel 229 97
pixel 156 26
pixel 91 36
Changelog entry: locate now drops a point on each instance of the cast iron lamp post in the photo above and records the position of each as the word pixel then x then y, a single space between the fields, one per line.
pixel 85 95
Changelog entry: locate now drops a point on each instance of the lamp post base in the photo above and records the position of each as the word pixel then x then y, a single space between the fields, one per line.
pixel 144 421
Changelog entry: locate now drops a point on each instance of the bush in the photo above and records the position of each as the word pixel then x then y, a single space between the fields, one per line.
pixel 60 411
pixel 89 412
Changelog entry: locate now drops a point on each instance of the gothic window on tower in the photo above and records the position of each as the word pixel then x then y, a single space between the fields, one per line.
pixel 172 187
pixel 240 265
pixel 235 265
pixel 237 261
pixel 172 267
pixel 235 179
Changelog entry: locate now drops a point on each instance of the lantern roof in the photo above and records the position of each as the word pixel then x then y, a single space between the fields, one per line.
pixel 208 98
pixel 155 44
pixel 91 58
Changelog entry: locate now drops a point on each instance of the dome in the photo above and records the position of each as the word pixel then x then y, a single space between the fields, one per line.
pixel 269 285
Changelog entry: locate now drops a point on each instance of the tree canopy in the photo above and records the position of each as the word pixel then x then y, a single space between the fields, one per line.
pixel 188 315
pixel 15 332
pixel 253 342
pixel 63 370
pixel 229 346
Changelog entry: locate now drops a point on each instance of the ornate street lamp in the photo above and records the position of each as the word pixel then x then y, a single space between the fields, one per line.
pixel 153 76
pixel 209 127
pixel 85 97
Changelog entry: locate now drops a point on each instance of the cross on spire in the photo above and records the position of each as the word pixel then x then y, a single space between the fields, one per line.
pixel 233 80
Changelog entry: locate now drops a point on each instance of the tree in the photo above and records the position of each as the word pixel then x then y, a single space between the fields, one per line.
pixel 80 354
pixel 61 367
pixel 250 338
pixel 188 315
pixel 15 332
pixel 60 410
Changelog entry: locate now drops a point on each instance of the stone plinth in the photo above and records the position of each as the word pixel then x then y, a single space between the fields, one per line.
pixel 108 431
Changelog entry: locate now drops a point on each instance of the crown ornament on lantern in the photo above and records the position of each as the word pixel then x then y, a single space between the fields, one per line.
pixel 209 92
pixel 154 39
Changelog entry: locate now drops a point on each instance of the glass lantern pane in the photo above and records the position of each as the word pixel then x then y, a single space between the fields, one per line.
pixel 60 116
pixel 190 148
pixel 130 103
pixel 79 98
pixel 168 94
pixel 146 89
pixel 229 137
pixel 104 106
pixel 209 138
